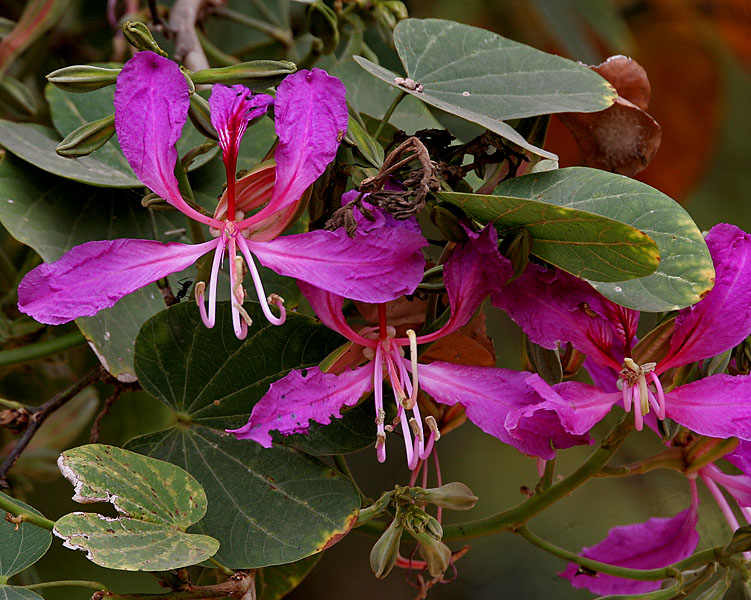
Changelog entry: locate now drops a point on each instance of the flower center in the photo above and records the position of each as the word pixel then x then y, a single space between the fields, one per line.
pixel 635 380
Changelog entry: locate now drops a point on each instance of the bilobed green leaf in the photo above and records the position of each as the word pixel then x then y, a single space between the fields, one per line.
pixel 11 592
pixel 582 243
pixel 487 79
pixel 69 111
pixel 283 505
pixel 22 545
pixel 157 501
pixel 685 273
pixel 52 215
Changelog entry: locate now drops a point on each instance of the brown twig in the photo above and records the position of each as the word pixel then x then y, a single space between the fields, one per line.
pixel 40 413
pixel 182 23
pixel 241 585
pixel 120 387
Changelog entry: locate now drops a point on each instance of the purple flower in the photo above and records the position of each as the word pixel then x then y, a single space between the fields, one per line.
pixel 151 106
pixel 553 307
pixel 504 403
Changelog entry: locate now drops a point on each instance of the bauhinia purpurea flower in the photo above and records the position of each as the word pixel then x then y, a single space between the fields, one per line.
pixel 151 107
pixel 499 401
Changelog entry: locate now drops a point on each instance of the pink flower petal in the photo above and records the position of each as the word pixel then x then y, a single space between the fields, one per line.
pixel 376 267
pixel 722 319
pixel 552 306
pixel 95 275
pixel 717 406
pixel 328 308
pixel 304 396
pixel 232 108
pixel 650 545
pixel 502 403
pixel 151 106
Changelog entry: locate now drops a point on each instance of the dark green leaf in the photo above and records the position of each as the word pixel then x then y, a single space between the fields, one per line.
pixel 583 243
pixel 685 273
pixel 267 506
pixel 157 501
pixel 484 78
pixel 21 545
pixel 10 592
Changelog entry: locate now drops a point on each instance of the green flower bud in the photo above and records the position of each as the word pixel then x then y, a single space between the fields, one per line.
pixel 140 37
pixel 436 553
pixel 384 16
pixel 17 97
pixel 256 74
pixel 386 549
pixel 323 25
pixel 454 496
pixel 446 217
pixel 517 249
pixel 200 115
pixel 398 9
pixel 82 78
pixel 87 138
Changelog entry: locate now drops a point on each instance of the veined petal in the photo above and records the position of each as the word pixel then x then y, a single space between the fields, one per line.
pixel 502 403
pixel 650 545
pixel 304 396
pixel 232 108
pixel 377 217
pixel 310 113
pixel 552 306
pixel 722 319
pixel 376 267
pixel 716 406
pixel 95 275
pixel 328 308
pixel 579 406
pixel 474 269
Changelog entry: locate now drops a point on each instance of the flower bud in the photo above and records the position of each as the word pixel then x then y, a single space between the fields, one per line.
pixel 82 78
pixel 87 138
pixel 446 217
pixel 384 16
pixel 386 550
pixel 256 74
pixel 398 9
pixel 323 25
pixel 454 496
pixel 140 37
pixel 17 97
pixel 200 115
pixel 436 553
pixel 517 249
pixel 741 541
pixel 546 363
pixel 706 450
pixel 155 202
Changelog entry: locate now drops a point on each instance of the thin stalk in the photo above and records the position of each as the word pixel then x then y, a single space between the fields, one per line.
pixel 341 464
pixel 669 459
pixel 388 114
pixel 221 567
pixel 7 504
pixel 547 477
pixel 94 585
pixel 56 345
pixel 674 570
pixel 272 31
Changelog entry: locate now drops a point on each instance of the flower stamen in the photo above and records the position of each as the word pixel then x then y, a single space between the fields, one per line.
pixel 635 380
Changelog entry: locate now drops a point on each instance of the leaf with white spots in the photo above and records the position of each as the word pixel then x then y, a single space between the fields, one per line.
pixel 157 501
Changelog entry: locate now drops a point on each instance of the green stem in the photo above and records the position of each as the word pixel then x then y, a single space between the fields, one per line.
pixel 11 404
pixel 94 585
pixel 341 464
pixel 547 477
pixel 23 354
pixel 221 567
pixel 514 518
pixel 196 231
pixel 7 504
pixel 670 459
pixel 280 35
pixel 674 570
pixel 388 114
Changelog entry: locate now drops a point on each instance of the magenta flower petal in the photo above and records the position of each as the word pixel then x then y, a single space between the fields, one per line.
pixel 741 457
pixel 552 306
pixel 717 406
pixel 95 275
pixel 579 406
pixel 376 267
pixel 650 545
pixel 304 396
pixel 474 269
pixel 502 403
pixel 328 308
pixel 151 106
pixel 232 108
pixel 310 112
pixel 722 319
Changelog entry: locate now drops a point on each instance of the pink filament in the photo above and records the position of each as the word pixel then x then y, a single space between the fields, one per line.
pixel 210 319
pixel 258 284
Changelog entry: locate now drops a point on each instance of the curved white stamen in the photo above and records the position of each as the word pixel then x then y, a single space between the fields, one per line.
pixel 660 395
pixel 380 413
pixel 627 397
pixel 260 292
pixel 236 290
pixel 435 435
pixel 638 414
pixel 411 403
pixel 400 398
pixel 413 361
pixel 210 319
